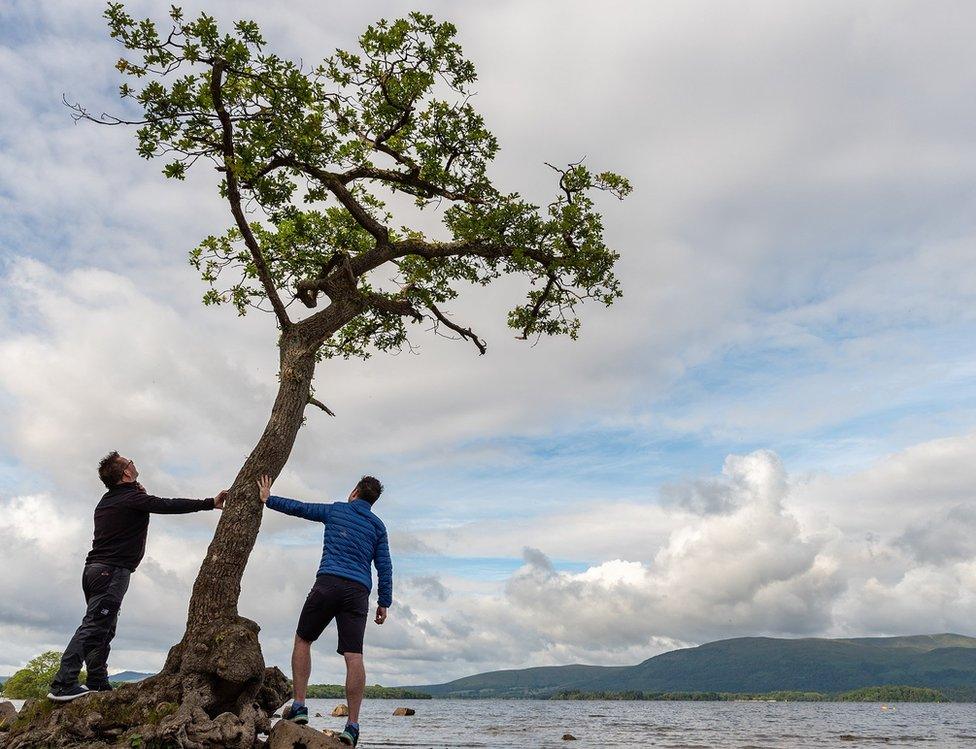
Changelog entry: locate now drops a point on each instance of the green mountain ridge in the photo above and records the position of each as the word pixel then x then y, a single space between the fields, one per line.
pixel 129 676
pixel 756 665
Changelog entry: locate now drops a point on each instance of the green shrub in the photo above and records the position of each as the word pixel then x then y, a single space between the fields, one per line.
pixel 34 679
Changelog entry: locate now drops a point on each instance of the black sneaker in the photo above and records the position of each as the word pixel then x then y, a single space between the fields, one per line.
pixel 350 735
pixel 104 687
pixel 296 714
pixel 66 695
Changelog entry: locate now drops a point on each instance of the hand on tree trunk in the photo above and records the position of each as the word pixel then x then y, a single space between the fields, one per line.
pixel 220 499
pixel 264 488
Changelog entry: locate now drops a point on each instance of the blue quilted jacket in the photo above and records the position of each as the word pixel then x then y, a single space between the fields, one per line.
pixel 354 539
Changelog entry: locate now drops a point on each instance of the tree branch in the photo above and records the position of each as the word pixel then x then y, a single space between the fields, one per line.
pixel 395 127
pixel 234 197
pixel 337 187
pixel 308 289
pixel 537 307
pixel 374 258
pixel 407 179
pixel 466 333
pixel 269 167
pixel 326 322
pixel 379 142
pixel 319 404
pixel 392 306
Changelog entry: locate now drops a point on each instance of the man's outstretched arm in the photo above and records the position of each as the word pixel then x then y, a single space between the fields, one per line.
pixel 174 505
pixel 306 510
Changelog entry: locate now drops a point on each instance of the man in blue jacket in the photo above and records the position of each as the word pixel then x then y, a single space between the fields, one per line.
pixel 355 539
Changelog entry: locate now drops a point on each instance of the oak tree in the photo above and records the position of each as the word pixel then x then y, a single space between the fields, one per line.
pixel 308 162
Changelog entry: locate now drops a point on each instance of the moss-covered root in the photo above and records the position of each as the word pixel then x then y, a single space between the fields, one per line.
pixel 101 719
pixel 169 710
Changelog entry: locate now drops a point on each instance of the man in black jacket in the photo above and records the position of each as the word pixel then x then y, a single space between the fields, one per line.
pixel 121 525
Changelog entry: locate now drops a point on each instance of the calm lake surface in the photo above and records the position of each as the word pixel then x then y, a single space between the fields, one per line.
pixel 450 724
pixel 678 725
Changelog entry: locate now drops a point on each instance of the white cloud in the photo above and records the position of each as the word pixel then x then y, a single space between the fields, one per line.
pixel 905 489
pixel 102 367
pixel 950 535
pixel 753 569
pixel 757 567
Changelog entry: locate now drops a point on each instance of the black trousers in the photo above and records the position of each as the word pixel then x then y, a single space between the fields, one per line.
pixel 104 587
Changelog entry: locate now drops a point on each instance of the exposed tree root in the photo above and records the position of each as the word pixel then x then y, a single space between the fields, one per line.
pixel 213 692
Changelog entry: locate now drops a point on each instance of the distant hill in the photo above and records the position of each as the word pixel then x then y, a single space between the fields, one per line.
pixel 946 662
pixel 922 643
pixel 129 676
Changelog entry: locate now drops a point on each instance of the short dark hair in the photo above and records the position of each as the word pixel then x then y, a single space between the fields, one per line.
pixel 369 488
pixel 111 468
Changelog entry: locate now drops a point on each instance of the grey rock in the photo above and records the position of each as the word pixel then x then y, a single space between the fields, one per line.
pixel 8 713
pixel 288 735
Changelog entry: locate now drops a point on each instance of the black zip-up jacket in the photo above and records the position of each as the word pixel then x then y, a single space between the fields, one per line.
pixel 122 522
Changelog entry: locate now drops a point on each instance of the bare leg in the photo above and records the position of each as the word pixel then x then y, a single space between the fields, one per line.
pixel 301 667
pixel 355 684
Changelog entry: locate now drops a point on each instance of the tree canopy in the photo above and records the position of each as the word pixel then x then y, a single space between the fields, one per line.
pixel 309 161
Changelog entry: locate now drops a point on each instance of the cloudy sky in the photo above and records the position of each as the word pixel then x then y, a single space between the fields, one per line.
pixel 773 433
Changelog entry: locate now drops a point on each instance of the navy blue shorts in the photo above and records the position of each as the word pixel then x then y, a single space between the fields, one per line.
pixel 337 598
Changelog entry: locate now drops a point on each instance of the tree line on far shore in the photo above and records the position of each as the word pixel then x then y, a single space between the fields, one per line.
pixel 886 693
pixel 374 692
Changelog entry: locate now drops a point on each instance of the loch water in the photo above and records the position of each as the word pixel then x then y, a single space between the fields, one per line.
pixel 536 724
pixel 531 724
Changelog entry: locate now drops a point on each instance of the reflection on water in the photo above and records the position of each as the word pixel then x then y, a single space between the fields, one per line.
pixel 530 724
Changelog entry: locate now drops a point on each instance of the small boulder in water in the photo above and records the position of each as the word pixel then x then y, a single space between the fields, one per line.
pixel 568 737
pixel 340 711
pixel 404 711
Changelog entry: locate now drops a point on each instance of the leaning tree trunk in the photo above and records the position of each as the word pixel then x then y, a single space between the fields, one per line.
pixel 214 689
